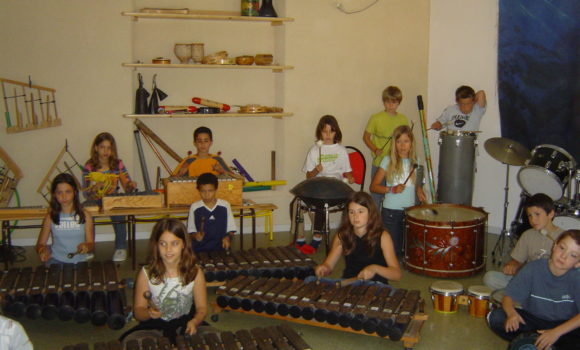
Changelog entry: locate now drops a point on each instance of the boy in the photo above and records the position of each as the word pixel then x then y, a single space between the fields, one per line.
pixel 535 243
pixel 380 127
pixel 549 292
pixel 210 220
pixel 202 161
pixel 466 114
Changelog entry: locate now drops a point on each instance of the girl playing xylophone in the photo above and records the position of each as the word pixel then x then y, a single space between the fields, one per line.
pixel 69 224
pixel 170 292
pixel 366 246
pixel 401 184
pixel 101 176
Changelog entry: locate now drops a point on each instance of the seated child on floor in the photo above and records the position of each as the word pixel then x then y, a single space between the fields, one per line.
pixel 210 219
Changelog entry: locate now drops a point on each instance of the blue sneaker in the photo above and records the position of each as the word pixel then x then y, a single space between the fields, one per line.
pixel 316 243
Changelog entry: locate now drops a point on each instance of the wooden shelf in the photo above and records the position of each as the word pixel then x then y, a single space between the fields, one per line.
pixel 275 21
pixel 274 68
pixel 219 115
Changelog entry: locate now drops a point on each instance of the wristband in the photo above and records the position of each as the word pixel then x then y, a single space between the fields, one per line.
pixel 393 189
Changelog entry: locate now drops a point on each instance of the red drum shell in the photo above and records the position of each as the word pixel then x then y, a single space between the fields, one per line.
pixel 445 240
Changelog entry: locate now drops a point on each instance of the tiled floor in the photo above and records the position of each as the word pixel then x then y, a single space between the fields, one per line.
pixel 441 331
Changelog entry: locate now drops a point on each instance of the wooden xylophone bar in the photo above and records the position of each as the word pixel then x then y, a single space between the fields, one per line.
pixel 65 292
pixel 277 262
pixel 375 309
pixel 281 337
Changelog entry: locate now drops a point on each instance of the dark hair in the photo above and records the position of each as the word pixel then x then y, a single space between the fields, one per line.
pixel 113 159
pixel 329 120
pixel 464 91
pixel 541 200
pixel 374 227
pixel 574 234
pixel 207 179
pixel 155 268
pixel 392 93
pixel 56 208
pixel 202 130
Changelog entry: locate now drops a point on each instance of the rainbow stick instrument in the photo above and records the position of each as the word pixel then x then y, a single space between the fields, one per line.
pixel 426 148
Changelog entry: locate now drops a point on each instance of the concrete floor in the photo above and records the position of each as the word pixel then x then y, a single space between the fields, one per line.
pixel 441 331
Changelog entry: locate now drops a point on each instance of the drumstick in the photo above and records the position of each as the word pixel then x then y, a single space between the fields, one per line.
pixel 348 281
pixel 415 166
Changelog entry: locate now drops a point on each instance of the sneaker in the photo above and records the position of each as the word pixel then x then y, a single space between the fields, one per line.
pixel 300 242
pixel 120 255
pixel 316 243
pixel 89 256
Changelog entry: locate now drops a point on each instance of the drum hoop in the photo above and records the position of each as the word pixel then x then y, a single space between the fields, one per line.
pixel 451 227
pixel 447 293
pixel 445 271
pixel 559 149
pixel 460 133
pixel 478 296
pixel 424 222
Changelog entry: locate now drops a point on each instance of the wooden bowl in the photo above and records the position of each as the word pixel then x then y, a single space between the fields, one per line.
pixel 245 60
pixel 263 59
pixel 161 60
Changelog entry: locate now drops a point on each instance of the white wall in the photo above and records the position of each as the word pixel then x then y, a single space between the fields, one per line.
pixel 463 50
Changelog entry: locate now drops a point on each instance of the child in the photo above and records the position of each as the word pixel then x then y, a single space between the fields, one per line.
pixel 210 220
pixel 101 176
pixel 549 292
pixel 466 114
pixel 326 158
pixel 70 226
pixel 366 246
pixel 202 161
pixel 396 169
pixel 535 243
pixel 13 336
pixel 178 302
pixel 380 127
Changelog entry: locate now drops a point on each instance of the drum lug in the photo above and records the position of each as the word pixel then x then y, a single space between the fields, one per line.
pixel 457 142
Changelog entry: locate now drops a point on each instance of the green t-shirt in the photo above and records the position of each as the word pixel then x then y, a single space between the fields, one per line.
pixel 381 126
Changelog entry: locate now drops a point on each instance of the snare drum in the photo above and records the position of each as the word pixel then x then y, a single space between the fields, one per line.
pixel 478 300
pixel 445 240
pixel 444 296
pixel 548 171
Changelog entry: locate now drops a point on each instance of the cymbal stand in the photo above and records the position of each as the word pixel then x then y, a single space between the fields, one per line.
pixel 505 235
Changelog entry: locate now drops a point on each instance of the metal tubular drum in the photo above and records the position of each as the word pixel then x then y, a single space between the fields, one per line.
pixel 456 167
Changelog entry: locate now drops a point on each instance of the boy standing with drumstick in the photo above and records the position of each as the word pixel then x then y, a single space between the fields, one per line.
pixel 466 114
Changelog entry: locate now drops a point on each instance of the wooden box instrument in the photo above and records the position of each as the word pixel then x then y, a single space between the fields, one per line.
pixel 133 200
pixel 180 191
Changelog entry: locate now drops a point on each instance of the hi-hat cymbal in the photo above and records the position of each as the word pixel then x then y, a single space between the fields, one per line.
pixel 507 151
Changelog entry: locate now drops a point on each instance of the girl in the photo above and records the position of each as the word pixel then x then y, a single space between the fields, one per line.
pixel 101 176
pixel 397 169
pixel 367 248
pixel 69 224
pixel 326 158
pixel 178 302
pixel 549 293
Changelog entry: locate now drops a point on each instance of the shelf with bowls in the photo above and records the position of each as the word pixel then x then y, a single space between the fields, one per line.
pixel 274 68
pixel 212 16
pixel 217 115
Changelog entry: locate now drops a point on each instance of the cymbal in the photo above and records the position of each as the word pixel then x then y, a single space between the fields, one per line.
pixel 507 151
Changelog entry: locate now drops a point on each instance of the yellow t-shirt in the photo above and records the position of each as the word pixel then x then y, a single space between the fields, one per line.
pixel 381 126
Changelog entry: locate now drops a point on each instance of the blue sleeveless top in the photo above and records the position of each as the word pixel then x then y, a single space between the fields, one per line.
pixel 66 236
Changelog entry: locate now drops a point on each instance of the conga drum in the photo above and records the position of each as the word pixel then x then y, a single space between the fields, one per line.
pixel 444 295
pixel 445 240
pixel 456 166
pixel 478 300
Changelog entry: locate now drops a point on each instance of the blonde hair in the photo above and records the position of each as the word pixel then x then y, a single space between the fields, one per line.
pixel 392 93
pixel 395 167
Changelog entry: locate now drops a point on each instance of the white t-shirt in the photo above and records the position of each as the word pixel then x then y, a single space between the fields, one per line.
pixel 334 160
pixel 13 336
pixel 453 119
pixel 171 297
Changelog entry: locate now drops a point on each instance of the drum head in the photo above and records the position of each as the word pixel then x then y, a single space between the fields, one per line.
pixel 534 179
pixel 567 222
pixel 479 291
pixel 445 213
pixel 446 287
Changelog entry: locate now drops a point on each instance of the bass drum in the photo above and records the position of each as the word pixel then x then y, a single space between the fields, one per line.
pixel 548 171
pixel 445 240
pixel 568 222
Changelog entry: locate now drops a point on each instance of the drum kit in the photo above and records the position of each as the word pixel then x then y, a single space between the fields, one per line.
pixel 547 169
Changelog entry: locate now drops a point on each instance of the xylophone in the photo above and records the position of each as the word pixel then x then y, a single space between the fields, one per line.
pixel 280 337
pixel 375 309
pixel 83 292
pixel 284 261
pixel 144 199
pixel 183 190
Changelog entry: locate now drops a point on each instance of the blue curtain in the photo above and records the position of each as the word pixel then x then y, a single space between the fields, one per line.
pixel 538 72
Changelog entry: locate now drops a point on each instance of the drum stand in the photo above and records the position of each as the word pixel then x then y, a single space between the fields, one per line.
pixel 505 235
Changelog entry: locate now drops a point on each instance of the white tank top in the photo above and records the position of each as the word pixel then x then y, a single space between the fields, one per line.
pixel 171 297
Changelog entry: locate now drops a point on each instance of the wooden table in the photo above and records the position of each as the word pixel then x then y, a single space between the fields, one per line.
pixel 132 217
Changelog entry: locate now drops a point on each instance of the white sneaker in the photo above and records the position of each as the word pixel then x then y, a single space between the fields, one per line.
pixel 89 256
pixel 120 255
